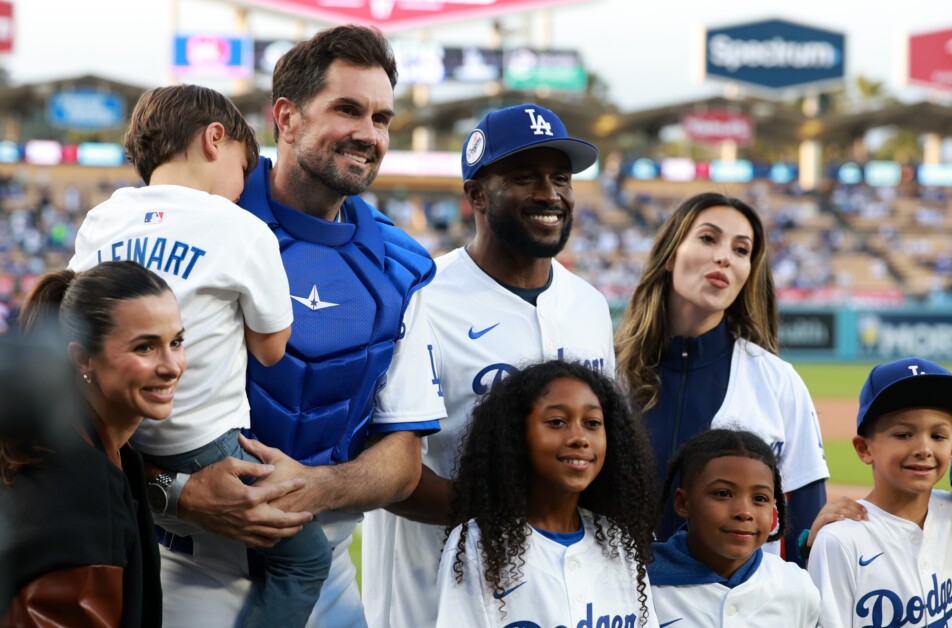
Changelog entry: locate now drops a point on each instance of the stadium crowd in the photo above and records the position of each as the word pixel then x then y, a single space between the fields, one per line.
pixel 826 247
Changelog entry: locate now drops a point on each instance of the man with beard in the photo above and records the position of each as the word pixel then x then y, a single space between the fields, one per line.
pixel 498 303
pixel 344 410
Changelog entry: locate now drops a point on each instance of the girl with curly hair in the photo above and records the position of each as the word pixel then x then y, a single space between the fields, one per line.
pixel 727 487
pixel 554 502
pixel 697 348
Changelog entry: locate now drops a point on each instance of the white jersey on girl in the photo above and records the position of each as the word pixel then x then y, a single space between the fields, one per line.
pixel 572 586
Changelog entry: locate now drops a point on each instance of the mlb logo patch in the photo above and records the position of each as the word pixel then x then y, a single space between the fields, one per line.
pixel 154 217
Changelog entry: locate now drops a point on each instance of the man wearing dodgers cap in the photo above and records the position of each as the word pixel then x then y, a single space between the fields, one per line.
pixel 895 568
pixel 497 303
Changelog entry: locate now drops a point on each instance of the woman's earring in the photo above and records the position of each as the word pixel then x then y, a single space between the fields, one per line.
pixel 87 378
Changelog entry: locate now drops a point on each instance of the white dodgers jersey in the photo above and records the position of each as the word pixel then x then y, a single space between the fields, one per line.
pixel 560 586
pixel 224 266
pixel 778 595
pixel 886 571
pixel 481 331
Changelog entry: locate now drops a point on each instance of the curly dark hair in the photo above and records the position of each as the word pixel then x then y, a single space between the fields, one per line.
pixel 492 476
pixel 696 452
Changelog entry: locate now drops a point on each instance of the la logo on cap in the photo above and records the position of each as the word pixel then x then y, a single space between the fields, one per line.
pixel 538 124
pixel 475 147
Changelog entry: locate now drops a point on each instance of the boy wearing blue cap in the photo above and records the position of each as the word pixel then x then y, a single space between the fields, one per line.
pixel 896 568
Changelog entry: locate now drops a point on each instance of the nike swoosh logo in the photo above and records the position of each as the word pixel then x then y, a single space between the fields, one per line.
pixel 498 595
pixel 668 623
pixel 479 334
pixel 863 563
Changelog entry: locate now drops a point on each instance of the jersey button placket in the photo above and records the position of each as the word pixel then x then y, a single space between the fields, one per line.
pixel 574 579
pixel 549 330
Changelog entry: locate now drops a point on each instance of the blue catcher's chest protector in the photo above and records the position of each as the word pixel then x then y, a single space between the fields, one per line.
pixel 351 283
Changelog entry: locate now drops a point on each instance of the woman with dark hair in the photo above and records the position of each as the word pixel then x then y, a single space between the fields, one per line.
pixel 81 544
pixel 554 474
pixel 697 348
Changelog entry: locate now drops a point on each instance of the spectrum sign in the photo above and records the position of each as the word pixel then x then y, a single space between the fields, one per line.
pixel 775 54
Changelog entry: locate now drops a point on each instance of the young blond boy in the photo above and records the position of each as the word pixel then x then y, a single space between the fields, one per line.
pixel 194 150
pixel 895 569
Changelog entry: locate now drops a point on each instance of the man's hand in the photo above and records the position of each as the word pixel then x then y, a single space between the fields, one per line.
pixel 386 471
pixel 287 468
pixel 216 499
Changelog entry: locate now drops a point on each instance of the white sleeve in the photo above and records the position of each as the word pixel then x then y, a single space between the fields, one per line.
pixel 83 252
pixel 802 459
pixel 812 610
pixel 412 391
pixel 830 566
pixel 438 370
pixel 809 610
pixel 462 604
pixel 262 284
pixel 609 369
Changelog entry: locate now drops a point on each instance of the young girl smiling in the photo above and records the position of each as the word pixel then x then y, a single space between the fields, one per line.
pixel 550 497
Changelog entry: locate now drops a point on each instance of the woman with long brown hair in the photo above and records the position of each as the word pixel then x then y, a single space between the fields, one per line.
pixel 697 348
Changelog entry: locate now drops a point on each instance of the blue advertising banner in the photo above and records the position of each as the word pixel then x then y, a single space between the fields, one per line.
pixel 886 335
pixel 775 54
pixel 737 171
pixel 100 154
pixel 9 152
pixel 935 174
pixel 85 108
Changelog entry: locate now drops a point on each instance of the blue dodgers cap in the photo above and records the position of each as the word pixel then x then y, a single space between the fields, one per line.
pixel 905 383
pixel 514 129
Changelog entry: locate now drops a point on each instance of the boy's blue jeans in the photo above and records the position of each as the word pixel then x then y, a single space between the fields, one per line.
pixel 295 568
